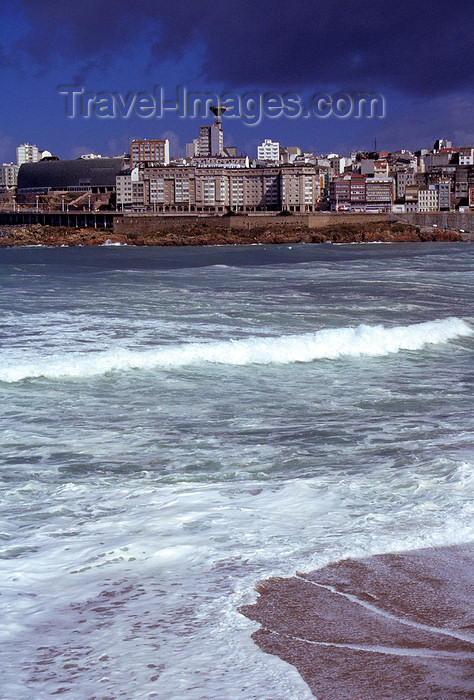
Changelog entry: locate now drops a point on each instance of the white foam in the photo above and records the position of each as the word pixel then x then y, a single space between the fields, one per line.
pixel 323 344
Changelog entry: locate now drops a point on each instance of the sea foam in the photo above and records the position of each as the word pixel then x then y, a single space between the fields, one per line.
pixel 323 344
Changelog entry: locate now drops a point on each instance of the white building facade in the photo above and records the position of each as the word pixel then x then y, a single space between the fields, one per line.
pixel 8 175
pixel 27 153
pixel 269 151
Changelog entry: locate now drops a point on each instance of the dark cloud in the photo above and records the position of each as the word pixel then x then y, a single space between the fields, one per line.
pixel 419 47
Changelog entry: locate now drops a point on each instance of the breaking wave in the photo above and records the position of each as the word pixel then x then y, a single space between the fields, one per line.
pixel 323 344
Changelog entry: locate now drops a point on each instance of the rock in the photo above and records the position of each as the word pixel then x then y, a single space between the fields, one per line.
pixel 281 232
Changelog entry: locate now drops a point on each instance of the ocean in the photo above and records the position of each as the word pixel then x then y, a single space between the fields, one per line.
pixel 179 424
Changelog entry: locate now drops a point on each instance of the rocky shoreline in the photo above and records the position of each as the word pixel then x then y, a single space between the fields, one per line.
pixel 192 234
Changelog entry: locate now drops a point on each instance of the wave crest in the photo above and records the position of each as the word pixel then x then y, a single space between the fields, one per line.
pixel 323 344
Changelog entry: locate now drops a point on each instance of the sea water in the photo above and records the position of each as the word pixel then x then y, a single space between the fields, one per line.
pixel 180 423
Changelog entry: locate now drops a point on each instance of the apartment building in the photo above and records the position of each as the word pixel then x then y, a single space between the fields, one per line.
pixel 26 153
pixel 8 175
pixel 463 180
pixel 200 190
pixel 379 194
pixel 288 154
pixel 219 189
pixel 256 189
pixel 411 197
pixel 428 199
pixel 402 179
pixel 192 149
pixel 444 195
pixel 354 192
pixel 336 165
pixel 223 161
pixel 130 189
pixel 340 194
pixel 149 152
pixel 380 168
pixel 211 140
pixel 466 156
pixel 300 188
pixel 269 151
pixel 358 192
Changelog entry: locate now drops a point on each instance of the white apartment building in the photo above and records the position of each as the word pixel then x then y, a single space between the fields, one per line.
pixel 8 175
pixel 130 189
pixel 27 153
pixel 269 150
pixel 288 154
pixel 466 156
pixel 428 199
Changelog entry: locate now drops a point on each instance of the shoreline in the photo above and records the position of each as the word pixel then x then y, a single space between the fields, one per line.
pixel 192 235
pixel 395 626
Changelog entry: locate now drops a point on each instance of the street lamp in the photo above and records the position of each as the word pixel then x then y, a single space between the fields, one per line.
pixel 89 202
pixel 37 199
pixel 14 203
pixel 62 202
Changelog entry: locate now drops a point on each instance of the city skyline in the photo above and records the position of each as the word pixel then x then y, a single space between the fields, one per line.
pixel 183 156
pixel 418 58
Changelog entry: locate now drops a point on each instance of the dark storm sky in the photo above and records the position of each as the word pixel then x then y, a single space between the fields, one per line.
pixel 418 55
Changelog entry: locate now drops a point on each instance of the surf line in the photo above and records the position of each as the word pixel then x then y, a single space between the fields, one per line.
pixel 390 616
pixel 389 651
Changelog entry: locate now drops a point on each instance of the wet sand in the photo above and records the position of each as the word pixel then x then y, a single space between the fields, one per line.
pixel 396 626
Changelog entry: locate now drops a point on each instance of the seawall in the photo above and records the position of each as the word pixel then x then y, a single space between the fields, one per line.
pixel 145 224
pixel 189 230
pixel 456 221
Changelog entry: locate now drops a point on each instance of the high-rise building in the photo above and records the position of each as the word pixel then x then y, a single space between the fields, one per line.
pixel 269 150
pixel 149 152
pixel 192 149
pixel 27 154
pixel 211 140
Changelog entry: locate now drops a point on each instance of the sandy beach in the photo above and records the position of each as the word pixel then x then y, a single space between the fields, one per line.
pixel 396 626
